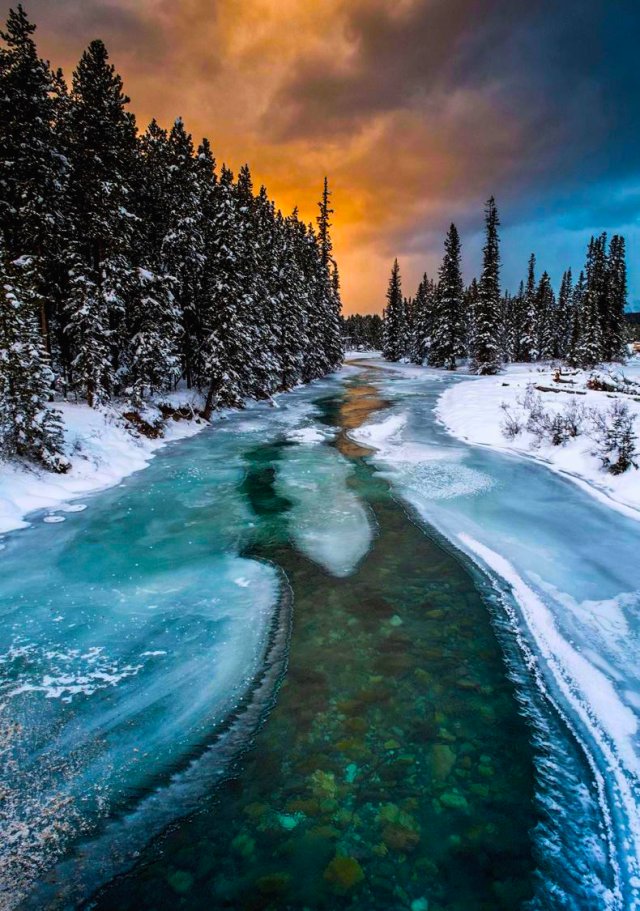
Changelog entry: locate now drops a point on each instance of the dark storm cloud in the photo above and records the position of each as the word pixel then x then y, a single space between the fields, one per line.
pixel 417 109
pixel 80 21
pixel 565 72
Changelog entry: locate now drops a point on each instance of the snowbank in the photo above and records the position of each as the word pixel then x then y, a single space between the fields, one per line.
pixel 102 451
pixel 471 411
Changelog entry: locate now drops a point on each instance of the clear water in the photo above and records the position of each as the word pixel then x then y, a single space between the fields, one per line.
pixel 374 754
pixel 573 582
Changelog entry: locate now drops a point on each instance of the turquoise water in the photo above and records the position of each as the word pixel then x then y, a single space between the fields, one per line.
pixel 247 678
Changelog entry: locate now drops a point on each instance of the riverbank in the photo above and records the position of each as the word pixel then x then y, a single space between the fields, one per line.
pixel 473 412
pixel 104 446
pixel 470 409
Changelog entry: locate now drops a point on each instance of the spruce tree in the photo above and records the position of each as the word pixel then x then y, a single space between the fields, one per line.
pixel 564 321
pixel 614 341
pixel 329 298
pixel 590 345
pixel 422 320
pixel 446 343
pixel 516 324
pixel 29 429
pixel 190 214
pixel 393 341
pixel 33 170
pixel 486 354
pixel 228 335
pixel 102 137
pixel 469 305
pixel 573 354
pixel 529 346
pixel 545 304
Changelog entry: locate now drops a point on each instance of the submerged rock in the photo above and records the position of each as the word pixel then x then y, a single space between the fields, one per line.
pixel 344 873
pixel 441 760
pixel 181 882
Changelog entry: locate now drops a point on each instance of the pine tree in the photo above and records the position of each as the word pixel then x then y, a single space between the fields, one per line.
pixel 190 214
pixel 516 323
pixel 393 342
pixel 29 429
pixel 577 317
pixel 486 353
pixel 33 169
pixel 529 346
pixel 329 298
pixel 447 331
pixel 469 305
pixel 564 321
pixel 590 345
pixel 614 341
pixel 102 138
pixel 422 320
pixel 228 336
pixel 295 303
pixel 150 333
pixel 545 303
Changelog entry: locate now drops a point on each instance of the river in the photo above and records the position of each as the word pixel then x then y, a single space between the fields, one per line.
pixel 279 668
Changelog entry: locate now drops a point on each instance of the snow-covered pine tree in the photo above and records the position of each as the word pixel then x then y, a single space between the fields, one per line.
pixel 564 320
pixel 515 324
pixel 228 340
pixel 329 299
pixel 545 317
pixel 422 320
pixel 33 169
pixel 486 354
pixel 150 333
pixel 294 304
pixel 190 217
pixel 469 304
pixel 529 346
pixel 590 345
pixel 446 342
pixel 577 318
pixel 102 149
pixel 393 340
pixel 408 323
pixel 29 429
pixel 315 362
pixel 268 326
pixel 507 305
pixel 614 340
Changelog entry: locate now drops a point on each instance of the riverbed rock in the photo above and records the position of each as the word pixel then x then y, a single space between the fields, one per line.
pixel 441 761
pixel 344 874
pixel 181 882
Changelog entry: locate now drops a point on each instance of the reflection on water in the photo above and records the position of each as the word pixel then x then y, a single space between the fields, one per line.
pixel 395 770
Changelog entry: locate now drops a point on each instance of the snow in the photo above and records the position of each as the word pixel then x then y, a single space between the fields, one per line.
pixel 102 452
pixel 471 411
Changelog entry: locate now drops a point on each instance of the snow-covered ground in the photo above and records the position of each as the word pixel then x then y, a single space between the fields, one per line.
pixel 472 412
pixel 102 451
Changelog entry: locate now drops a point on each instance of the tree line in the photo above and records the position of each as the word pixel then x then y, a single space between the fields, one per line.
pixel 129 262
pixel 363 332
pixel 445 321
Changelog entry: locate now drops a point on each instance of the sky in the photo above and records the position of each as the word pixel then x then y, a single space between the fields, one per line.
pixel 417 110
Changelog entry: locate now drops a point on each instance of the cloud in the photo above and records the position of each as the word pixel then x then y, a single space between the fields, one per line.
pixel 417 109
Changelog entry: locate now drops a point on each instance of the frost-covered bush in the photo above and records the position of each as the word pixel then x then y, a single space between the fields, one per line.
pixel 553 427
pixel 615 438
pixel 511 424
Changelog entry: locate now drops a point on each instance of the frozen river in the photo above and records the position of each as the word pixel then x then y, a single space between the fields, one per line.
pixel 146 645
